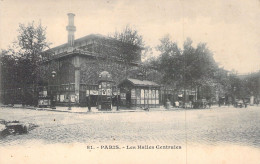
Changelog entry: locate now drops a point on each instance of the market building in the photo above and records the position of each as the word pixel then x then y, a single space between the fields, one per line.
pixel 74 69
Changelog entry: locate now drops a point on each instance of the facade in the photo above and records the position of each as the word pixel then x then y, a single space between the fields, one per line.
pixel 78 64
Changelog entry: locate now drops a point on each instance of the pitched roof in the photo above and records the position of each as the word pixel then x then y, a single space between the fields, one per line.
pixel 87 37
pixel 137 82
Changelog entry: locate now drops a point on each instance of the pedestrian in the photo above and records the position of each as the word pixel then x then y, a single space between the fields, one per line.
pixel 167 104
pixel 177 104
pixel 257 102
pixel 219 103
pixel 209 103
pixel 89 104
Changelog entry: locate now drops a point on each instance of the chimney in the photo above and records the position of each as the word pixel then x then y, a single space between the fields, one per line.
pixel 71 29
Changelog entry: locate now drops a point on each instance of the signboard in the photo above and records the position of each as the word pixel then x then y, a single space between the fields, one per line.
pixel 116 91
pixel 109 92
pixel 44 102
pixel 44 93
pixel 100 91
pixel 104 92
pixel 93 92
pixel 123 95
pixel 61 98
pixel 72 98
pixel 104 85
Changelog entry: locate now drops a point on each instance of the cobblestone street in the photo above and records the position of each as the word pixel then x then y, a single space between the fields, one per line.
pixel 216 135
pixel 240 126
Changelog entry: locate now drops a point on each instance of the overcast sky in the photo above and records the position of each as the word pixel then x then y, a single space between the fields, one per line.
pixel 231 28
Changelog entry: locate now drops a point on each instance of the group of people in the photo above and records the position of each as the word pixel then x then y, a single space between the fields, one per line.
pixel 180 104
pixel 191 104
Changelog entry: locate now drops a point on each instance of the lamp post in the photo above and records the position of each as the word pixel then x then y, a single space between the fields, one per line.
pixel 69 108
pixel 117 99
pixel 16 75
pixel 89 100
pixel 184 77
pixel 53 75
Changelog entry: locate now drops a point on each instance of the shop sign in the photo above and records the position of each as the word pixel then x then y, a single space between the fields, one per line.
pixel 109 92
pixel 72 98
pixel 44 93
pixel 93 92
pixel 104 92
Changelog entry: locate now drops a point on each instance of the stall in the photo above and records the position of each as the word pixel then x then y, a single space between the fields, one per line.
pixel 139 93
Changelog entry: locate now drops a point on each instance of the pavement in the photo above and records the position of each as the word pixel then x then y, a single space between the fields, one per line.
pixel 225 134
pixel 213 125
pixel 85 109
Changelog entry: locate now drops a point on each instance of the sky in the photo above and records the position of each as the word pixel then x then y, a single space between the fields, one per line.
pixel 231 28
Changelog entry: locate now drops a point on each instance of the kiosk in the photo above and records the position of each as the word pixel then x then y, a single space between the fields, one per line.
pixel 105 91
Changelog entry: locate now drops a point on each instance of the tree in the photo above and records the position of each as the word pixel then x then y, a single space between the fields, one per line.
pixel 8 79
pixel 130 45
pixel 32 41
pixel 170 62
pixel 192 67
pixel 26 52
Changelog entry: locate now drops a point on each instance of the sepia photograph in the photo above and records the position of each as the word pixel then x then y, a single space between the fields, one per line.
pixel 129 81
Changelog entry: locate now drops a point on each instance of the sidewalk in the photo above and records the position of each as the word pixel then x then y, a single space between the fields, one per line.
pixel 95 110
pixel 85 109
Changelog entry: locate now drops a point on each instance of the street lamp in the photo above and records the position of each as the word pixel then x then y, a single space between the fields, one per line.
pixel 117 99
pixel 53 75
pixel 69 108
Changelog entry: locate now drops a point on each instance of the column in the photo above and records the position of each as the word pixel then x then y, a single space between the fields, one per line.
pixel 77 83
pixel 77 77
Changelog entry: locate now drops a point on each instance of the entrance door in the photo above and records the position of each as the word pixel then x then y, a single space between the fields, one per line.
pixel 128 99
